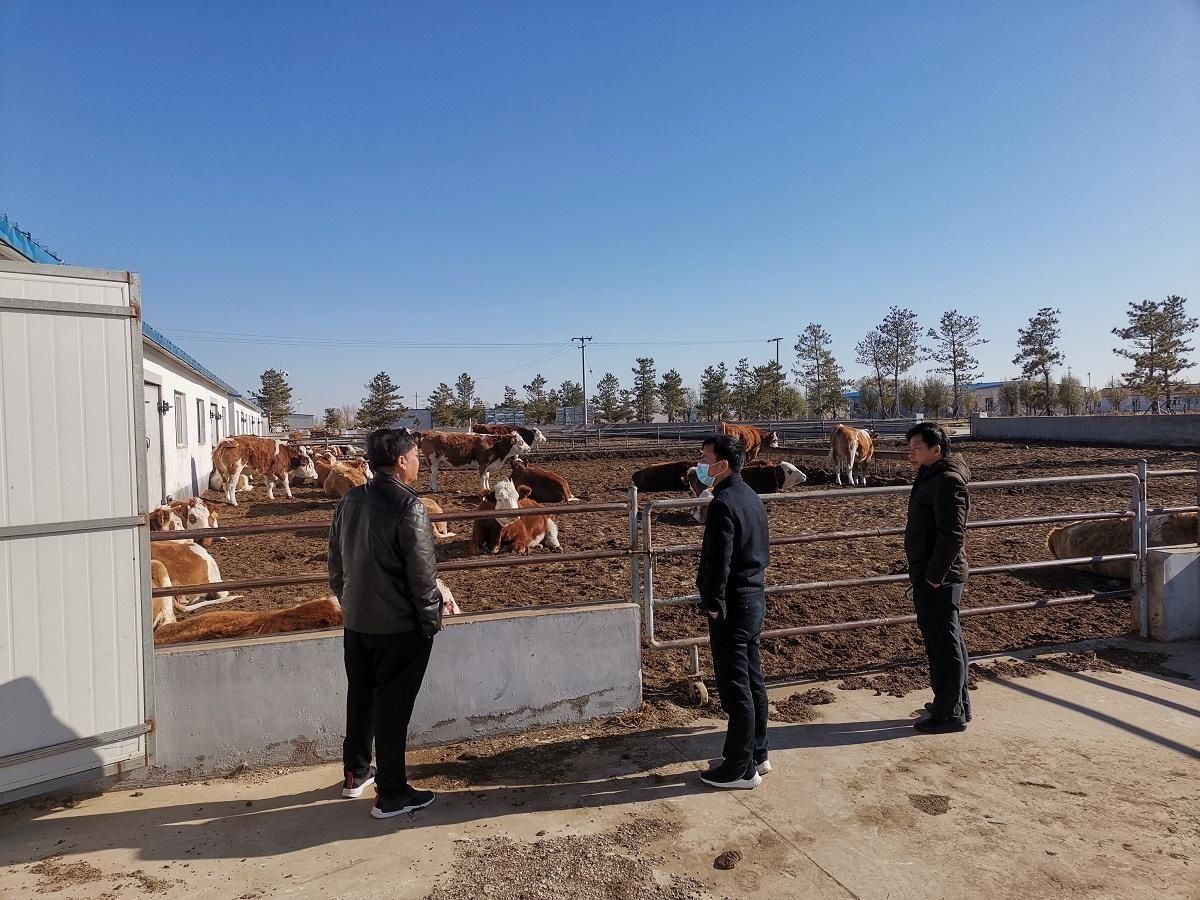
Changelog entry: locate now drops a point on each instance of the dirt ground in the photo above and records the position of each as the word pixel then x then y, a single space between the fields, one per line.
pixel 606 478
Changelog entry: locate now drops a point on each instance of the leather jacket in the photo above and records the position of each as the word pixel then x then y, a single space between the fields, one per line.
pixel 381 560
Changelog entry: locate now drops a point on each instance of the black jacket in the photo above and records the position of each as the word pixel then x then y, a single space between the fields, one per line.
pixel 381 560
pixel 736 550
pixel 936 535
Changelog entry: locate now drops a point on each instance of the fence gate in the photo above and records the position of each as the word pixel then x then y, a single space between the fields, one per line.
pixel 76 659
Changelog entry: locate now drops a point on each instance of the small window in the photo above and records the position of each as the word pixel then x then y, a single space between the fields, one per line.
pixel 180 420
pixel 200 436
pixel 987 404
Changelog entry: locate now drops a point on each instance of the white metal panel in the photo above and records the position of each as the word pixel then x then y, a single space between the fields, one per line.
pixel 66 443
pixel 74 578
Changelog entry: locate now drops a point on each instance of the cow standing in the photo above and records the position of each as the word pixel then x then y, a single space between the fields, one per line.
pixel 752 438
pixel 487 452
pixel 850 449
pixel 269 457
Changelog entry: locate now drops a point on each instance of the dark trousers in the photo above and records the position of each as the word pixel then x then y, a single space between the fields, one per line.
pixel 738 665
pixel 937 617
pixel 383 674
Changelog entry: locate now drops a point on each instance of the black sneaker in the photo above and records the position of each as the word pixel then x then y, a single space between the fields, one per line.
pixel 939 726
pixel 354 786
pixel 719 777
pixel 399 804
pixel 929 709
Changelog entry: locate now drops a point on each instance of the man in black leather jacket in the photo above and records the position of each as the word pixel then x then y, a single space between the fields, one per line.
pixel 383 570
pixel 731 581
pixel 935 543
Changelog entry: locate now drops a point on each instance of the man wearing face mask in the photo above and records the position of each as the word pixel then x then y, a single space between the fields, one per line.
pixel 383 570
pixel 731 582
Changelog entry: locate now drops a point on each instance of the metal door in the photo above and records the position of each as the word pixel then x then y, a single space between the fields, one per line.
pixel 154 444
pixel 76 652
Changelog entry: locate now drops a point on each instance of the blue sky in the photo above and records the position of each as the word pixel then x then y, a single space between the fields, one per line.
pixel 657 176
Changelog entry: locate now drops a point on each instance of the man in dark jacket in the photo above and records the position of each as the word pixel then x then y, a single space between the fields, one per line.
pixel 731 581
pixel 935 543
pixel 383 570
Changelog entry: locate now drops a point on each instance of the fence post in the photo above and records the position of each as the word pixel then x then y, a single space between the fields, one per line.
pixel 634 562
pixel 646 516
pixel 1140 546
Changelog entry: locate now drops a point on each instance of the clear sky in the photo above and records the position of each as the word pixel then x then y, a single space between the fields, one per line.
pixel 659 176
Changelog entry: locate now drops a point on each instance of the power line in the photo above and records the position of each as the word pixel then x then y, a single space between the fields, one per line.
pixel 583 342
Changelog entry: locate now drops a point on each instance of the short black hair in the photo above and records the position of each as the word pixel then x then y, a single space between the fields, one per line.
pixel 386 445
pixel 931 435
pixel 726 448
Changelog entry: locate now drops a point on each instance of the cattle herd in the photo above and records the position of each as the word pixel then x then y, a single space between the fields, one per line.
pixel 486 449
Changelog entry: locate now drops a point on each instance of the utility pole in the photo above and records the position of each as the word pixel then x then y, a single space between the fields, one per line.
pixel 583 342
pixel 776 341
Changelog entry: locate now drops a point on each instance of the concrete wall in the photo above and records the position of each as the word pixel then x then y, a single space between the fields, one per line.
pixel 281 700
pixel 1174 594
pixel 1179 432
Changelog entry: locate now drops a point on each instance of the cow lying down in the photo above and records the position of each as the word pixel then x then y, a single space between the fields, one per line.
pixel 763 478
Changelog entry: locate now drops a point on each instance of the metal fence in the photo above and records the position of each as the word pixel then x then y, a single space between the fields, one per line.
pixel 1138 513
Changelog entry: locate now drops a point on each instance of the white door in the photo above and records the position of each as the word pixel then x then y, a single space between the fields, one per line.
pixel 154 445
pixel 76 651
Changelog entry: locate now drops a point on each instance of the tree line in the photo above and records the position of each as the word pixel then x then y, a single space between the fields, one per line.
pixel 1155 342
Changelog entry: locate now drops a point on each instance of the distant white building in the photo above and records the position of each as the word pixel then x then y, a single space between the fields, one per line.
pixel 188 408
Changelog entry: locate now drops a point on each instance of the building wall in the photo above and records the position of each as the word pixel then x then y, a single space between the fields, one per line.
pixel 187 438
pixel 1179 432
pixel 246 419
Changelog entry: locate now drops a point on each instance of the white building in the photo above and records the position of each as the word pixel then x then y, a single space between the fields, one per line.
pixel 188 408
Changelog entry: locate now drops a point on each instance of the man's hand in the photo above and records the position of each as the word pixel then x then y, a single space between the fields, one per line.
pixel 712 614
pixel 932 585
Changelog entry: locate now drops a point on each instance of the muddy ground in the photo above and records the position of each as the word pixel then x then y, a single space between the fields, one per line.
pixel 607 479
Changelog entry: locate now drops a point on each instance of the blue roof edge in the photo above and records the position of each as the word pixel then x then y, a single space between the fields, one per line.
pixel 170 347
pixel 23 243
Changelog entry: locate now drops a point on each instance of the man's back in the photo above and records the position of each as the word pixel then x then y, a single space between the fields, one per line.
pixel 381 560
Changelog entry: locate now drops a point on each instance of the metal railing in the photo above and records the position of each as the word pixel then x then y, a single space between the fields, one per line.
pixel 1138 513
pixel 629 507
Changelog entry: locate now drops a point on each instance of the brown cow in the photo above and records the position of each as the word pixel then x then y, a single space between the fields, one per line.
pixel 850 449
pixel 526 532
pixel 1108 536
pixel 485 533
pixel 752 438
pixel 544 486
pixel 323 613
pixel 668 476
pixel 531 436
pixel 440 529
pixel 343 478
pixel 488 453
pixel 271 458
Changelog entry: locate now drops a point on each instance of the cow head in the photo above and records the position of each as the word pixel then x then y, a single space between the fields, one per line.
pixel 198 515
pixel 163 518
pixel 506 494
pixel 510 445
pixel 518 464
pixel 792 476
pixel 772 439
pixel 300 462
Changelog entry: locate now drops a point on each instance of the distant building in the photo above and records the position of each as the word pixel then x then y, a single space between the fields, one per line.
pixel 301 422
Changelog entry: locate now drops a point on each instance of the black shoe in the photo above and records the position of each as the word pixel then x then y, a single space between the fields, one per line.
pixel 939 726
pixel 398 804
pixel 761 765
pixel 929 709
pixel 354 786
pixel 720 777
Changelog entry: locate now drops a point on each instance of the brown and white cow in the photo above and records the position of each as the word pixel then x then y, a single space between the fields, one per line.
pixel 772 478
pixel 323 613
pixel 1109 536
pixel 450 606
pixel 344 477
pixel 187 562
pixel 850 449
pixel 668 476
pixel 752 438
pixel 485 533
pixel 440 529
pixel 271 458
pixel 531 436
pixel 523 533
pixel 544 486
pixel 455 449
pixel 217 483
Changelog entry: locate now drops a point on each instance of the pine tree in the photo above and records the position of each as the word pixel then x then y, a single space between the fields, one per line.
pixel 714 393
pixel 673 396
pixel 275 397
pixel 607 399
pixel 818 371
pixel 1159 334
pixel 382 406
pixel 872 352
pixel 570 393
pixel 441 405
pixel 333 418
pixel 467 406
pixel 900 335
pixel 1038 352
pixel 768 380
pixel 510 398
pixel 953 339
pixel 645 389
pixel 741 393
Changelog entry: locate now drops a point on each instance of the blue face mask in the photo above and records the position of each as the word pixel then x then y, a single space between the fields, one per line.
pixel 702 475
